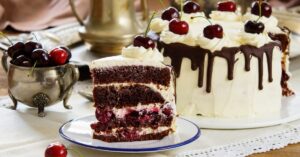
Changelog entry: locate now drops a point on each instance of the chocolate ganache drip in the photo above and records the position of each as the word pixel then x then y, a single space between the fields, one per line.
pixel 178 51
pixel 284 39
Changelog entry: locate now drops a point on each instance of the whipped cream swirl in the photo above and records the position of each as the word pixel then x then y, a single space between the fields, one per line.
pixel 271 23
pixel 256 40
pixel 189 17
pixel 169 37
pixel 225 16
pixel 158 25
pixel 141 53
pixel 216 44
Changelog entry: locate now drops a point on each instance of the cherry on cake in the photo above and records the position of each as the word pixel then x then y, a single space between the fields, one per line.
pixel 134 95
pixel 228 65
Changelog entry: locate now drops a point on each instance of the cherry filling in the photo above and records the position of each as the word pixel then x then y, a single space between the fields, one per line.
pixel 104 116
pixel 153 118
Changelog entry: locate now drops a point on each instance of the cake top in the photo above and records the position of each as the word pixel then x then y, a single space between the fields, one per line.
pixel 143 54
pixel 235 29
pixel 132 55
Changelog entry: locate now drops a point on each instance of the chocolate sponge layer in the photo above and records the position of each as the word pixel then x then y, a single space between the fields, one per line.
pixel 137 74
pixel 112 96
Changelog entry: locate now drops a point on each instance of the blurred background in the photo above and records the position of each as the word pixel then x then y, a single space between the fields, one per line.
pixel 106 25
pixel 36 15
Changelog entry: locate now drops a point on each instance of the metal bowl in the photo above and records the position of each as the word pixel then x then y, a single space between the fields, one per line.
pixel 40 87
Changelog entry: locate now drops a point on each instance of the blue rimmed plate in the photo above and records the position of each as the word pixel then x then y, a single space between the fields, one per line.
pixel 78 131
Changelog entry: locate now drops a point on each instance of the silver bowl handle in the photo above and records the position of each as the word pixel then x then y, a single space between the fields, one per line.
pixel 75 77
pixel 4 61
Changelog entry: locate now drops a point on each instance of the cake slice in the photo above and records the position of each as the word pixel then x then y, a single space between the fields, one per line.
pixel 134 96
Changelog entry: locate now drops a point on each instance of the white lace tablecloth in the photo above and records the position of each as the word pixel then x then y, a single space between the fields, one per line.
pixel 23 134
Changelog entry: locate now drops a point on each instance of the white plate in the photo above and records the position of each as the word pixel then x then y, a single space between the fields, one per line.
pixel 290 111
pixel 78 131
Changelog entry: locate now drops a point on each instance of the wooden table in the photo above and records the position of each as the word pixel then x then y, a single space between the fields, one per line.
pixel 289 151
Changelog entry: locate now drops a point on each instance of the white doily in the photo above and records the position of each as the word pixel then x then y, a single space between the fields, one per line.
pixel 247 147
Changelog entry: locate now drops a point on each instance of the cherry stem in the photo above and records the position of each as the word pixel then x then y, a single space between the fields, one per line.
pixel 260 12
pixel 202 17
pixel 162 3
pixel 76 151
pixel 33 34
pixel 181 9
pixel 148 26
pixel 32 69
pixel 3 35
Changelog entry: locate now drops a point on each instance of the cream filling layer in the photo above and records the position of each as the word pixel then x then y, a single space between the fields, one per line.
pixel 142 131
pixel 121 112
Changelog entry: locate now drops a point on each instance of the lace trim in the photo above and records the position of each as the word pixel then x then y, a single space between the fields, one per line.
pixel 250 146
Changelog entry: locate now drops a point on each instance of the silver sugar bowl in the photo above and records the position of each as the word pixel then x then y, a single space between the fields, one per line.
pixel 40 87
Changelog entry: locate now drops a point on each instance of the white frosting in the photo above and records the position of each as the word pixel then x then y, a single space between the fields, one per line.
pixel 143 54
pixel 189 17
pixel 225 16
pixel 256 40
pixel 169 37
pixel 158 25
pixel 216 44
pixel 271 23
pixel 123 61
pixel 235 98
pixel 142 131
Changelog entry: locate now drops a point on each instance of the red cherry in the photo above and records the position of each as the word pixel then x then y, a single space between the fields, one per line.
pixel 68 51
pixel 56 150
pixel 227 6
pixel 103 116
pixel 254 27
pixel 213 31
pixel 141 41
pixel 15 50
pixel 266 9
pixel 179 27
pixel 191 7
pixel 170 13
pixel 167 111
pixel 41 57
pixel 30 46
pixel 59 56
pixel 155 109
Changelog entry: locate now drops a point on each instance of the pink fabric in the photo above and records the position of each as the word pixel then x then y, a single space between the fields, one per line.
pixel 29 15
